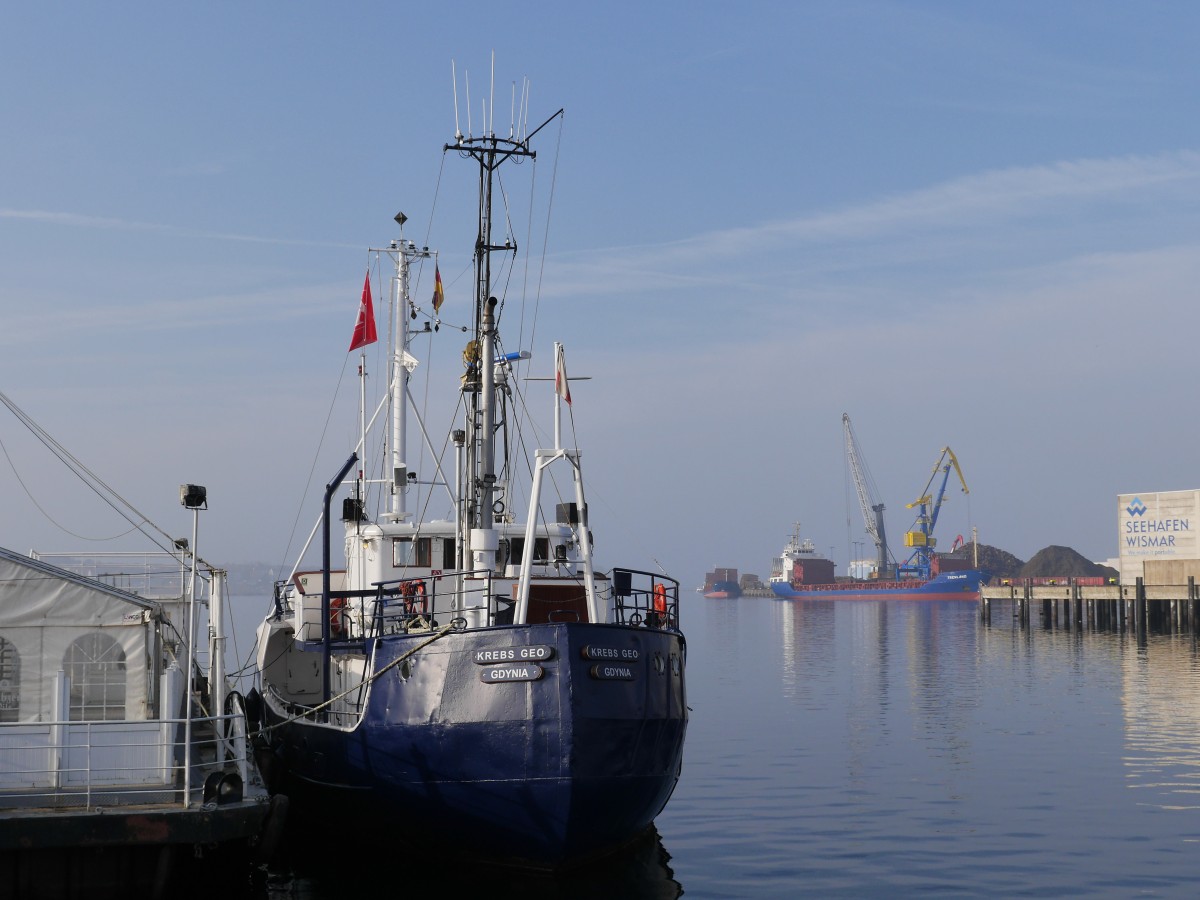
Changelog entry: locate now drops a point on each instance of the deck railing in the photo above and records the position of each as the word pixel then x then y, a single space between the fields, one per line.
pixel 155 576
pixel 645 598
pixel 91 765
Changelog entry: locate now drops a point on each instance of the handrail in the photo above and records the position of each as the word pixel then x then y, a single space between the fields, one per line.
pixel 106 763
pixel 655 606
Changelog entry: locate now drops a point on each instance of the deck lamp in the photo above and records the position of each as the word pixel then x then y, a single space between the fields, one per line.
pixel 195 498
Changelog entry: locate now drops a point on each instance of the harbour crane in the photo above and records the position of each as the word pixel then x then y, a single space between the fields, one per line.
pixel 864 486
pixel 920 537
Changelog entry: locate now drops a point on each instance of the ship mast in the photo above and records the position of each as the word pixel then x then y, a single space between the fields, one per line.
pixel 403 252
pixel 479 384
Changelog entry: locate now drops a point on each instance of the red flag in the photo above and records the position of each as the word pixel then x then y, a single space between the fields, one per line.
pixel 561 387
pixel 438 297
pixel 364 328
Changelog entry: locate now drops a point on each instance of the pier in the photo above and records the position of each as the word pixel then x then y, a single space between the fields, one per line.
pixel 1109 607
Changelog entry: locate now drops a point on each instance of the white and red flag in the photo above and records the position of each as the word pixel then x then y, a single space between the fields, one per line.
pixel 561 387
pixel 364 328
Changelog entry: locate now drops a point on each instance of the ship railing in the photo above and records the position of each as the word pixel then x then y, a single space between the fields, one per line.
pixel 647 599
pixel 87 765
pixel 152 575
pixel 345 710
pixel 396 606
pixel 419 604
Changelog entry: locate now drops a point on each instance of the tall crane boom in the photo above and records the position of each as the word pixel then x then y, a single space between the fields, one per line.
pixel 865 488
pixel 920 536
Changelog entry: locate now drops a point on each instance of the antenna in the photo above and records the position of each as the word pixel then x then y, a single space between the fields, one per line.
pixel 467 80
pixel 525 116
pixel 454 82
pixel 521 110
pixel 491 119
pixel 512 114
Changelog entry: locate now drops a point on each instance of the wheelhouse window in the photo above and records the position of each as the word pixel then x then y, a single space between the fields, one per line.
pixel 409 552
pixel 10 682
pixel 95 663
pixel 541 550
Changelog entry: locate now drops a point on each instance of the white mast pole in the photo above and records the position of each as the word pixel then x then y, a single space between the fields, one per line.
pixel 362 424
pixel 399 398
pixel 558 373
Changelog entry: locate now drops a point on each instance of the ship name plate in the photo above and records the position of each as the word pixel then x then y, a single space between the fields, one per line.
pixel 515 672
pixel 493 655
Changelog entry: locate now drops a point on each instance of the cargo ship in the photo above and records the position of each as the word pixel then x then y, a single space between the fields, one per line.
pixel 722 584
pixel 799 573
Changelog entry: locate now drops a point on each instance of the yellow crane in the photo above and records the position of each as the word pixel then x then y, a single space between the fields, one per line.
pixel 920 537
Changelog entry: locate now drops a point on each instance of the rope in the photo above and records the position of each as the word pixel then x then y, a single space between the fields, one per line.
pixel 440 633
pixel 119 504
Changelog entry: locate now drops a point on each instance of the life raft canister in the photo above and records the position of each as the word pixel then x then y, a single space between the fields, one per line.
pixel 660 598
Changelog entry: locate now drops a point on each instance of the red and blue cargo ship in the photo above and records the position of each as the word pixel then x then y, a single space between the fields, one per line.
pixel 722 584
pixel 800 573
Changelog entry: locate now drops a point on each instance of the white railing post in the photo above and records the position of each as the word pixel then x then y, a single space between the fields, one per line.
pixel 216 660
pixel 60 711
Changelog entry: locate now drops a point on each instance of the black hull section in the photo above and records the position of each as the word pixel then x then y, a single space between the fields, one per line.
pixel 546 772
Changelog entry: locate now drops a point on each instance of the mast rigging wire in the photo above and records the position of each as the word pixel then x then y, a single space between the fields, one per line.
pixel 89 478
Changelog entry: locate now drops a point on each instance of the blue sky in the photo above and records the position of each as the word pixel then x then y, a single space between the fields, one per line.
pixel 971 225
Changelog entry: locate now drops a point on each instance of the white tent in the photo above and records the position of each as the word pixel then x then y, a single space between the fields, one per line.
pixel 54 621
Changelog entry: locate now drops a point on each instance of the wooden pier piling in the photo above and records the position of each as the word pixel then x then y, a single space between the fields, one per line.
pixel 1137 607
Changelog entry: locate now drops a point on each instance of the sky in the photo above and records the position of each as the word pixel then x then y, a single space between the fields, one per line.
pixel 967 225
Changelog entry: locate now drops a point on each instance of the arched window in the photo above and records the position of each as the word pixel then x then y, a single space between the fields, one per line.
pixel 95 663
pixel 10 682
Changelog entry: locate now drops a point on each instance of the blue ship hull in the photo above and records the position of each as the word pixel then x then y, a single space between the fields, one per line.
pixel 543 773
pixel 964 585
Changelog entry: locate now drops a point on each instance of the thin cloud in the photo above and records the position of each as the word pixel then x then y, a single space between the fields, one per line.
pixel 271 306
pixel 1058 192
pixel 81 220
pixel 1000 194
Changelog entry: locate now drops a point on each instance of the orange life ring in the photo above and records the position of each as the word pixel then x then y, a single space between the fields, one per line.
pixel 660 598
pixel 337 615
pixel 414 597
pixel 419 597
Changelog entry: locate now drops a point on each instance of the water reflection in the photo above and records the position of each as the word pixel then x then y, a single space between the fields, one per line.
pixel 642 871
pixel 1153 677
pixel 1160 701
pixel 897 749
pixel 805 646
pixel 864 748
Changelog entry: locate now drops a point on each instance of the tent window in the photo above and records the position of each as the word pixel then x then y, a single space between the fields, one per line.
pixel 95 663
pixel 10 682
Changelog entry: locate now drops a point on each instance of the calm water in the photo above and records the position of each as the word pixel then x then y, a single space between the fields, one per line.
pixel 901 749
